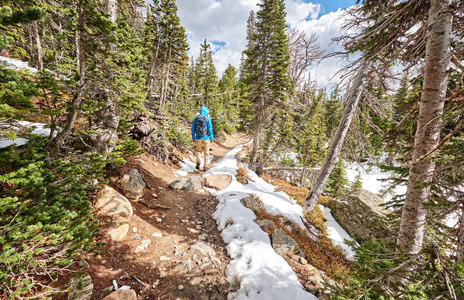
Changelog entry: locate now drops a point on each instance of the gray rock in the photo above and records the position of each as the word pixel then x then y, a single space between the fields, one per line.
pixel 112 204
pixel 360 214
pixel 187 263
pixel 265 224
pixel 251 203
pixel 81 288
pixel 204 248
pixel 195 183
pixel 283 243
pixel 178 184
pixel 218 182
pixel 132 185
pixel 119 233
pixel 188 184
pixel 122 295
pixel 137 237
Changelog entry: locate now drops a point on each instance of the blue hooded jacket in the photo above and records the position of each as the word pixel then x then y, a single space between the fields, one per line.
pixel 209 126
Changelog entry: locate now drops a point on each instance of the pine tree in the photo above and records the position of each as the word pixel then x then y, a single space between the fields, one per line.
pixel 165 38
pixel 266 68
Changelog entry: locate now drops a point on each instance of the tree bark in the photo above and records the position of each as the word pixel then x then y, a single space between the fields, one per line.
pixel 335 147
pixel 38 45
pixel 427 137
pixel 112 10
pixel 74 107
pixel 460 243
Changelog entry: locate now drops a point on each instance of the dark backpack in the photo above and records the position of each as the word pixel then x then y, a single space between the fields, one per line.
pixel 200 127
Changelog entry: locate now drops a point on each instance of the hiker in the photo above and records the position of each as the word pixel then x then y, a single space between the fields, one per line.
pixel 202 134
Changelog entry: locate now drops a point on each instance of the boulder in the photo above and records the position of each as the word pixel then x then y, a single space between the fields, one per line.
pixel 283 243
pixel 114 205
pixel 122 295
pixel 81 288
pixel 218 182
pixel 360 214
pixel 188 184
pixel 132 185
pixel 119 233
pixel 251 203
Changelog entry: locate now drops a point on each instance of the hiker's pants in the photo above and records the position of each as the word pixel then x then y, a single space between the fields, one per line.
pixel 202 145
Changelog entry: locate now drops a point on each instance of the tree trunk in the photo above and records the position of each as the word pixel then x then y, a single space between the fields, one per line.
pixel 336 146
pixel 427 137
pixel 73 109
pixel 151 74
pixel 38 45
pixel 112 10
pixel 460 243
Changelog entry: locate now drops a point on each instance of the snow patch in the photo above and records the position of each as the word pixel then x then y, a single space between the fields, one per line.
pixel 256 270
pixel 38 128
pixel 336 233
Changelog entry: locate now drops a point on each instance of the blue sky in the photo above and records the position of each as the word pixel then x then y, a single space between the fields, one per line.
pixel 333 5
pixel 223 24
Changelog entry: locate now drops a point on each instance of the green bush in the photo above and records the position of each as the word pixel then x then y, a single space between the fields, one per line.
pixel 46 219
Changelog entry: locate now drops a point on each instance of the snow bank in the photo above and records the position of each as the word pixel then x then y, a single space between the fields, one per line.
pixel 11 63
pixel 256 270
pixel 336 233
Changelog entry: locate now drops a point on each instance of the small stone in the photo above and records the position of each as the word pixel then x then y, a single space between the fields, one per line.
pixel 136 237
pixel 157 234
pixel 160 188
pixel 154 195
pixel 187 263
pixel 156 283
pixel 134 229
pixel 84 263
pixel 184 221
pixel 205 259
pixel 119 233
pixel 198 227
pixel 108 289
pixel 163 214
pixel 103 261
pixel 194 256
pixel 216 261
pixel 303 261
pixel 181 287
pixel 164 258
pixel 159 220
pixel 193 230
pixel 143 246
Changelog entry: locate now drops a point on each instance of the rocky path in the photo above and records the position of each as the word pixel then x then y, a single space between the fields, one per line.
pixel 172 249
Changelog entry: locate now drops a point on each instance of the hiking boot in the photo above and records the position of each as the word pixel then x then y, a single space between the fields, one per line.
pixel 197 167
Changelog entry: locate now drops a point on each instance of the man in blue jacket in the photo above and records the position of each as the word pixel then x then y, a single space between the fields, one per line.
pixel 202 134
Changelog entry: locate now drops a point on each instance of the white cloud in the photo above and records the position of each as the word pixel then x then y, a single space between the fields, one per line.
pixel 224 21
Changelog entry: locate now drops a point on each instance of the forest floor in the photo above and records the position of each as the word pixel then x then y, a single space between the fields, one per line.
pixel 185 257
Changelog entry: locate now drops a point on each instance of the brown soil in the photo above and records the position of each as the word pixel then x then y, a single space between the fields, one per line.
pixel 161 270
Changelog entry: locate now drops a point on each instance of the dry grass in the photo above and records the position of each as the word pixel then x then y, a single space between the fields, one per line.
pixel 319 250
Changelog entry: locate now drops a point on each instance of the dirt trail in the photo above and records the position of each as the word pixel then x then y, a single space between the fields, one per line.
pixel 169 267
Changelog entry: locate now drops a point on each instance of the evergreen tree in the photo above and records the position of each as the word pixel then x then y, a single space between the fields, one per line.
pixel 165 38
pixel 265 69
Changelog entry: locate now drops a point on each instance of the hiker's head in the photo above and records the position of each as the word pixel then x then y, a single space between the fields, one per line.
pixel 204 111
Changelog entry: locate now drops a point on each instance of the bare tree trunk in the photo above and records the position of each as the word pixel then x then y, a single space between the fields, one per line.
pixel 427 137
pixel 58 140
pixel 38 45
pixel 112 10
pixel 460 243
pixel 336 146
pixel 151 74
